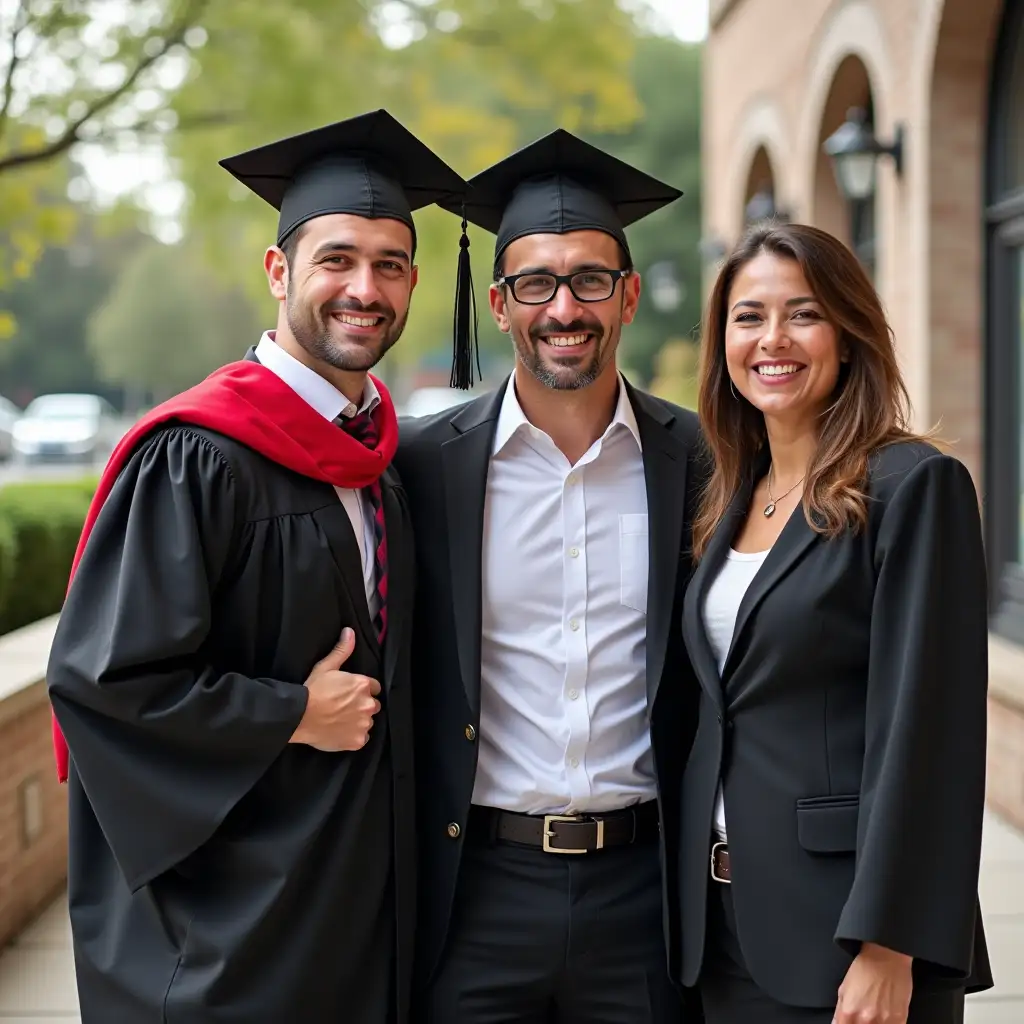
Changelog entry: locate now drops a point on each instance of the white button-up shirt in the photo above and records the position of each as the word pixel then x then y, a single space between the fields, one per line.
pixel 327 400
pixel 563 703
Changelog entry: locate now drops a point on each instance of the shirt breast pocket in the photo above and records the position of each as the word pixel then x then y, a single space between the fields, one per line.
pixel 633 561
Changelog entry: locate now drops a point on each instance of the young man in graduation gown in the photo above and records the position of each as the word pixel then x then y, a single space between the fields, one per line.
pixel 555 701
pixel 241 830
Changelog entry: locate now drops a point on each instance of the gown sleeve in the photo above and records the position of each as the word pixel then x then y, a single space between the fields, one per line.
pixel 164 744
pixel 923 788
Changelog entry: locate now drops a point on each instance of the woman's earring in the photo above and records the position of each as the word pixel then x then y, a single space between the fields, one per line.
pixel 732 388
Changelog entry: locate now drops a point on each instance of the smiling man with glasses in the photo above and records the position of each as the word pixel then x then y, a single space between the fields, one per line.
pixel 556 701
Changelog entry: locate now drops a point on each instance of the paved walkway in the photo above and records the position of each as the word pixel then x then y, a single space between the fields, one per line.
pixel 37 978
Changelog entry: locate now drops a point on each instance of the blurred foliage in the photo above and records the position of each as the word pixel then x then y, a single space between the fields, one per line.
pixel 77 71
pixel 477 79
pixel 34 214
pixel 52 309
pixel 40 524
pixel 666 144
pixel 675 373
pixel 168 322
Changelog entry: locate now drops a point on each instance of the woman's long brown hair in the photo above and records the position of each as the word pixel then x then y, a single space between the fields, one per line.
pixel 869 408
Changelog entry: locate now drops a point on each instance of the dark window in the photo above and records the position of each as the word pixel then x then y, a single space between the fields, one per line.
pixel 1004 334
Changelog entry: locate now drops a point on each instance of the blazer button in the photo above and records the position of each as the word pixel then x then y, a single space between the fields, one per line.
pixel 470 733
pixel 454 831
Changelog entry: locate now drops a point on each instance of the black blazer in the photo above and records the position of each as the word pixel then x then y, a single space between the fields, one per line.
pixel 444 461
pixel 850 728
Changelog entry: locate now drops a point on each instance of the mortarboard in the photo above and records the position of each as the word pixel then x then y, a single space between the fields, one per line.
pixel 559 184
pixel 555 185
pixel 371 166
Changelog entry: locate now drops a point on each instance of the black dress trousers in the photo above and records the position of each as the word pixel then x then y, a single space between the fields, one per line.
pixel 550 939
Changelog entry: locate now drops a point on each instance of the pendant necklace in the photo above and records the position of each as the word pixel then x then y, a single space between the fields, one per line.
pixel 769 509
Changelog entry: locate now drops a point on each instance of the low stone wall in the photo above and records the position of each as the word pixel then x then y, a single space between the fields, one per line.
pixel 33 807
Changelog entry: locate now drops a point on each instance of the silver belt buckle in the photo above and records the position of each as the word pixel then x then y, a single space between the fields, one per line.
pixel 716 877
pixel 550 819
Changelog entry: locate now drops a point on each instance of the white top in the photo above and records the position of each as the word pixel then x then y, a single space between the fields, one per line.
pixel 721 606
pixel 563 702
pixel 327 400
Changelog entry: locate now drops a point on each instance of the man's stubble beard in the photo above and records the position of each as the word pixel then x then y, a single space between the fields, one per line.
pixel 311 331
pixel 567 378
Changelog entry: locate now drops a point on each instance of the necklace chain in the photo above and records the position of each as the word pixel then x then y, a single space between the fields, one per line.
pixel 769 509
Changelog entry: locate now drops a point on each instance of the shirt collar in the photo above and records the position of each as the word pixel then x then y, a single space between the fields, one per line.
pixel 512 419
pixel 315 390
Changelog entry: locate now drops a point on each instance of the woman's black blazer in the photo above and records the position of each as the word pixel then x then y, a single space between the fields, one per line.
pixel 850 727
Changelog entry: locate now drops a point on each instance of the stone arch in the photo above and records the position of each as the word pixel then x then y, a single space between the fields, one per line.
pixel 850 87
pixel 851 50
pixel 760 179
pixel 760 147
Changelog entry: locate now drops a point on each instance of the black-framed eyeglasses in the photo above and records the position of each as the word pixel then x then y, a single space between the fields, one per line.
pixel 534 289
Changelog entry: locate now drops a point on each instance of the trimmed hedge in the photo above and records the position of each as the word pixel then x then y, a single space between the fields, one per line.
pixel 40 523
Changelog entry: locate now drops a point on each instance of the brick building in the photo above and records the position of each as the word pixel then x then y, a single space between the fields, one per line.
pixel 939 220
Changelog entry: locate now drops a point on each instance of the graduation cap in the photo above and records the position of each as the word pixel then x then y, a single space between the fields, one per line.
pixel 555 185
pixel 370 165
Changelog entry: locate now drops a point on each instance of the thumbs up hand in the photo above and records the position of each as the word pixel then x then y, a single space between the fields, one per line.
pixel 341 706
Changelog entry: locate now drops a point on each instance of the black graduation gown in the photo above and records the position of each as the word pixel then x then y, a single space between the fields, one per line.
pixel 218 873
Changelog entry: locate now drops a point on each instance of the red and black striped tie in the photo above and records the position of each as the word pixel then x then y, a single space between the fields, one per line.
pixel 362 428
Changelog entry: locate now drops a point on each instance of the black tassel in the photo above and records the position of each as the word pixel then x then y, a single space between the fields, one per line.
pixel 466 326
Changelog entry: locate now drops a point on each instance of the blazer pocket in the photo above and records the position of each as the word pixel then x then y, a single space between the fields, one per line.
pixel 633 560
pixel 828 824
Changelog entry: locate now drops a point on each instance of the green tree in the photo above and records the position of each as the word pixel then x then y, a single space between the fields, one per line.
pixel 75 72
pixel 51 308
pixel 665 142
pixel 476 79
pixel 168 322
pixel 675 373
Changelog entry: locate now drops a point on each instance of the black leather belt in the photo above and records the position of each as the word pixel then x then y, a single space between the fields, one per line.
pixel 566 833
pixel 721 869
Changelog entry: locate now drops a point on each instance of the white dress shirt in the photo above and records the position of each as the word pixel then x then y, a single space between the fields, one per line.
pixel 563 702
pixel 721 607
pixel 327 400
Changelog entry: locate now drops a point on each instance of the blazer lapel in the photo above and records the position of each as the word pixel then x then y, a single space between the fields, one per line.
pixel 465 460
pixel 665 472
pixel 698 646
pixel 790 546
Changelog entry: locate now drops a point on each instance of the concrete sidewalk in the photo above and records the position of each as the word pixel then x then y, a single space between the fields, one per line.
pixel 37 977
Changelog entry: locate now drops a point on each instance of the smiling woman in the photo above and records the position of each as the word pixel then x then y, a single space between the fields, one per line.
pixel 839 659
pixel 797 346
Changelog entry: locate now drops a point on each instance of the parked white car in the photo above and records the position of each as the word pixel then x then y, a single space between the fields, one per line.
pixel 80 428
pixel 9 415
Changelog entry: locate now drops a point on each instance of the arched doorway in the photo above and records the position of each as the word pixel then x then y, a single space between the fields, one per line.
pixel 759 196
pixel 1004 334
pixel 855 223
